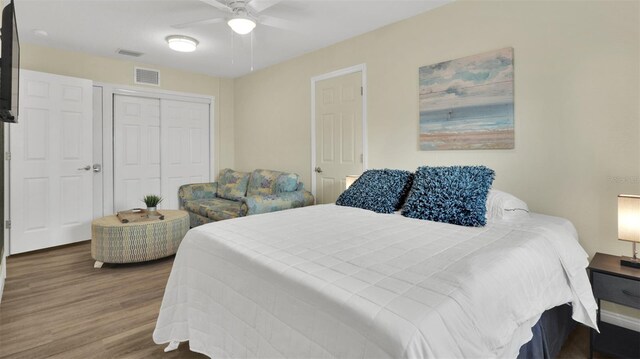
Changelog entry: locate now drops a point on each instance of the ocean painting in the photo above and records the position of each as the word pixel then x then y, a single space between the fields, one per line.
pixel 467 104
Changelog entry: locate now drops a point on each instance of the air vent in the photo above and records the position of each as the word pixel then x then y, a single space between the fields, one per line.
pixel 129 53
pixel 147 76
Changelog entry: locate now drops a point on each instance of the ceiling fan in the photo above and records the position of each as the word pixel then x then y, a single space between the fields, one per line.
pixel 242 15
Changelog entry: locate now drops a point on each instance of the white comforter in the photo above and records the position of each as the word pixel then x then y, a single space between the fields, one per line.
pixel 331 281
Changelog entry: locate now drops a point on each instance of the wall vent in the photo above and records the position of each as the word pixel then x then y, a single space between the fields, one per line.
pixel 129 53
pixel 146 76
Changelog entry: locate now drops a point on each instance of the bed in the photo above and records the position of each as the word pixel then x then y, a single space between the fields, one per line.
pixel 332 281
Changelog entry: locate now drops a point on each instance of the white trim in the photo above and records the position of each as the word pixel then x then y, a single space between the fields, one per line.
pixel 3 275
pixel 349 70
pixel 98 147
pixel 108 91
pixel 154 93
pixel 620 320
pixel 7 191
pixel 107 149
pixel 7 208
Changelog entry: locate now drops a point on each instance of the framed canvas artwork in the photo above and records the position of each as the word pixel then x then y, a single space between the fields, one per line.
pixel 467 104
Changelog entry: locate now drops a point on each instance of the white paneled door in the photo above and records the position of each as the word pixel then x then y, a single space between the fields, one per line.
pixel 338 132
pixel 51 158
pixel 159 145
pixel 136 150
pixel 185 150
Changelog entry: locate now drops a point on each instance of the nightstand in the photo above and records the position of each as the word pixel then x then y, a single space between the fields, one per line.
pixel 621 285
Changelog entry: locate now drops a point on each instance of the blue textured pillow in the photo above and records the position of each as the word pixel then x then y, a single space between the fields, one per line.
pixel 380 191
pixel 455 195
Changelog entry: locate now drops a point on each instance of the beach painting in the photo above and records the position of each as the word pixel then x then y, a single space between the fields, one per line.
pixel 467 104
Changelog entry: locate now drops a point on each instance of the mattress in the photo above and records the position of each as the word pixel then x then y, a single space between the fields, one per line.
pixel 329 281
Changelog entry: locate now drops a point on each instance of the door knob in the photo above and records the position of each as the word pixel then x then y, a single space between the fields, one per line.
pixel 97 168
pixel 85 168
pixel 318 170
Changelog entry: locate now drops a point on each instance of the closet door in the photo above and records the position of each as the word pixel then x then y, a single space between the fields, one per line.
pixel 50 169
pixel 136 150
pixel 185 147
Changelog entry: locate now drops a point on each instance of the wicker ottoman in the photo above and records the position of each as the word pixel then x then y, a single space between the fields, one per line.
pixel 116 242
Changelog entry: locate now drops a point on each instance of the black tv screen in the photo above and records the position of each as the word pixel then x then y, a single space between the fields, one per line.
pixel 9 66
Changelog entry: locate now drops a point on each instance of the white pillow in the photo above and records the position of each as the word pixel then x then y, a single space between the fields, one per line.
pixel 504 205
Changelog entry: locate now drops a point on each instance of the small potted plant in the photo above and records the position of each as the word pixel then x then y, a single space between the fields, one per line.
pixel 152 201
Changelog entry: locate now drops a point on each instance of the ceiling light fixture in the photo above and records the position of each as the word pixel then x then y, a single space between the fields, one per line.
pixel 242 24
pixel 182 43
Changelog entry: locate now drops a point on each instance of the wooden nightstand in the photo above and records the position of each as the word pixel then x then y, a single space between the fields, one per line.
pixel 621 285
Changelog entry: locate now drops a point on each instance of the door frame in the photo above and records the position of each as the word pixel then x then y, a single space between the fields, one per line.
pixel 108 92
pixel 337 73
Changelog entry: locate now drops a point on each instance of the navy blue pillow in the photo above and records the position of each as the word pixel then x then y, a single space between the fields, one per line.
pixel 456 195
pixel 380 191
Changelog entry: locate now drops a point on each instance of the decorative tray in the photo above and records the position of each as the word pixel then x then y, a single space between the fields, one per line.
pixel 138 215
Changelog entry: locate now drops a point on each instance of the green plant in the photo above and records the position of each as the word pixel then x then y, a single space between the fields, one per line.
pixel 151 200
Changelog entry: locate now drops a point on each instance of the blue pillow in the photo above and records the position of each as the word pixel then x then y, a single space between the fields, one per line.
pixel 380 191
pixel 456 195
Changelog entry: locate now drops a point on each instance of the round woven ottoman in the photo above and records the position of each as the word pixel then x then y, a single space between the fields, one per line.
pixel 115 242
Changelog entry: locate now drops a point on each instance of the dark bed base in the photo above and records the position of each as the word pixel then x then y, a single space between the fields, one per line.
pixel 549 334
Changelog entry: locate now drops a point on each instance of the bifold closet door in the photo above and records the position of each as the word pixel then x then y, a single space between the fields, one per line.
pixel 185 147
pixel 158 145
pixel 136 150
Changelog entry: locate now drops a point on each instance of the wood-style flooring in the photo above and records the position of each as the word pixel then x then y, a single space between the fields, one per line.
pixel 56 305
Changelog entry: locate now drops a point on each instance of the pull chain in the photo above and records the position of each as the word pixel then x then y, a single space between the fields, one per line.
pixel 252 51
pixel 233 51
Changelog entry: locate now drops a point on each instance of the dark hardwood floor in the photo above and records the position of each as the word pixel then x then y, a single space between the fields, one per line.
pixel 56 305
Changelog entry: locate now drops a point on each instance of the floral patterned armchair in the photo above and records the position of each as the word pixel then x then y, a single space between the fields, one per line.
pixel 238 194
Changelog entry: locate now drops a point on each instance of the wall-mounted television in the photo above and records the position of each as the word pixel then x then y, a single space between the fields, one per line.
pixel 9 66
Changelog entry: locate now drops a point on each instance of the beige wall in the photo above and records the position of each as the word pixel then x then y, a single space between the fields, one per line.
pixel 576 103
pixel 120 72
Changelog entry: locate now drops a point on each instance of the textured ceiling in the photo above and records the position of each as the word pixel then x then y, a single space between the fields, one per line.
pixel 101 27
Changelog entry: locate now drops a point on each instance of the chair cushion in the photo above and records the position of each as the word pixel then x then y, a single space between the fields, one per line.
pixel 263 182
pixel 455 195
pixel 216 209
pixel 232 184
pixel 287 182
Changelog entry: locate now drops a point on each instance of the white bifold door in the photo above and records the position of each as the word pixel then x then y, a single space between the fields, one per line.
pixel 50 168
pixel 185 151
pixel 158 145
pixel 136 150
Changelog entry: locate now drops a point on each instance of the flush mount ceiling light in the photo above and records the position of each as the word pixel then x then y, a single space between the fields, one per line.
pixel 182 43
pixel 241 24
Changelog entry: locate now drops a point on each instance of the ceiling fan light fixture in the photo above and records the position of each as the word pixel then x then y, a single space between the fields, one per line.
pixel 182 43
pixel 242 25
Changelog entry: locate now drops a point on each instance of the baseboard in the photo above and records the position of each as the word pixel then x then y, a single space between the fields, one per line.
pixel 620 320
pixel 3 274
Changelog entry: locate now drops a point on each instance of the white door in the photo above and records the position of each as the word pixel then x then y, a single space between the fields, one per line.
pixel 50 169
pixel 136 150
pixel 185 147
pixel 338 134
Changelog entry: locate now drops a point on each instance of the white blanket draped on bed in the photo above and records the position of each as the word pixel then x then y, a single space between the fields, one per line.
pixel 331 281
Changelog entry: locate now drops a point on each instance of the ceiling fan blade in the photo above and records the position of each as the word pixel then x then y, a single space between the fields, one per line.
pixel 198 23
pixel 277 23
pixel 218 5
pixel 261 5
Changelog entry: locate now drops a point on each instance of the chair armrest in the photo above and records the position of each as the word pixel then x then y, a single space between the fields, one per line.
pixel 197 191
pixel 275 202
